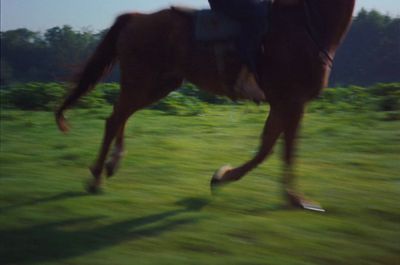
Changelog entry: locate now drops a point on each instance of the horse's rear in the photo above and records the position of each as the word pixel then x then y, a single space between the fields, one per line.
pixel 151 50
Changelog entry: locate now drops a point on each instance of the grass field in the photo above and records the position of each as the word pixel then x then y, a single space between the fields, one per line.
pixel 158 208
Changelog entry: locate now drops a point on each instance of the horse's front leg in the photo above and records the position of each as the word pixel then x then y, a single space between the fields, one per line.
pixel 292 124
pixel 273 128
pixel 290 132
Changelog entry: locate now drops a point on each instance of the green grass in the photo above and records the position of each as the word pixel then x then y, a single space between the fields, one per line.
pixel 158 208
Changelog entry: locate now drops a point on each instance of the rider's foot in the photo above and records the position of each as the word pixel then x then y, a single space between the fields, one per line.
pixel 247 86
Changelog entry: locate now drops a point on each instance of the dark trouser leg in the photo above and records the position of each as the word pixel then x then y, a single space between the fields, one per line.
pixel 249 43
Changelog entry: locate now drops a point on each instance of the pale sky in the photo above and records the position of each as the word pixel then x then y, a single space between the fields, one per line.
pixel 39 15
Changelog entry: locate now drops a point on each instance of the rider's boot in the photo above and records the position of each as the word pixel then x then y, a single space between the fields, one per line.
pixel 247 87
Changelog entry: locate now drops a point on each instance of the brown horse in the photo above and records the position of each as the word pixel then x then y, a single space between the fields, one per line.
pixel 156 52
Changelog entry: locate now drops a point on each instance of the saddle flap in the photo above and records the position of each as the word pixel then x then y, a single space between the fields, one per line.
pixel 213 26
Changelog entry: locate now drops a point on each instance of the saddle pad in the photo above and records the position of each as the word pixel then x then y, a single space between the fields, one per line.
pixel 212 26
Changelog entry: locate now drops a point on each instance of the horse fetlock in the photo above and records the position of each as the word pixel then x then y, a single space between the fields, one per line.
pixel 220 174
pixel 96 171
pixel 111 167
pixel 112 164
pixel 93 186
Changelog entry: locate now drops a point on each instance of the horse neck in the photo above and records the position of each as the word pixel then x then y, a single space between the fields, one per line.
pixel 334 18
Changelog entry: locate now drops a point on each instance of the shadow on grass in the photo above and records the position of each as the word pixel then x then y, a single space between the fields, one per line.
pixel 57 197
pixel 62 240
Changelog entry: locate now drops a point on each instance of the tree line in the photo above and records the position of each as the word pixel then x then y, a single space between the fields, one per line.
pixel 370 54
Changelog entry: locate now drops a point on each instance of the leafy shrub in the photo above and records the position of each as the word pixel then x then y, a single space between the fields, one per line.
pixel 388 96
pixel 188 100
pixel 353 98
pixel 4 98
pixel 110 92
pixel 392 116
pixel 44 96
pixel 179 104
pixel 34 96
pixel 191 90
pixel 95 99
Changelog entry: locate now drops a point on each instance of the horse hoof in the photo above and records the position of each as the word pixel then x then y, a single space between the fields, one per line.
pixel 299 201
pixel 312 206
pixel 214 186
pixel 217 179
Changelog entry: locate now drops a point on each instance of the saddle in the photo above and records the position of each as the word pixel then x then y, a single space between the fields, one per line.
pixel 210 26
pixel 218 31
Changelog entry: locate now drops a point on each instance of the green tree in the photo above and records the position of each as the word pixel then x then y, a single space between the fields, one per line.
pixel 22 54
pixel 371 51
pixel 66 49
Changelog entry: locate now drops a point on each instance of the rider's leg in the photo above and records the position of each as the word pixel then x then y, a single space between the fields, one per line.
pixel 249 45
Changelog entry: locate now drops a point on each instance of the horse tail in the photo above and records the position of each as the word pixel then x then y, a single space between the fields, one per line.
pixel 98 65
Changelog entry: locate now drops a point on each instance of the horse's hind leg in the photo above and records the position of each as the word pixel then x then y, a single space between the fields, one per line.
pixel 114 123
pixel 136 93
pixel 117 153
